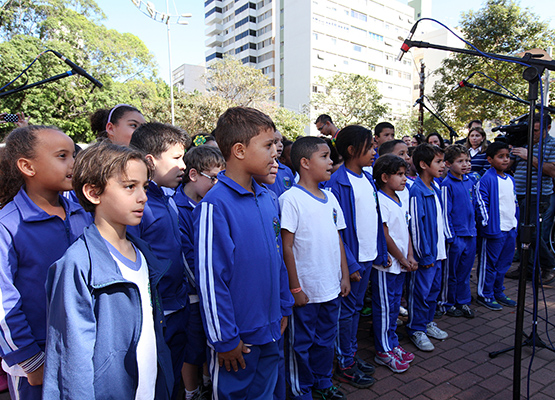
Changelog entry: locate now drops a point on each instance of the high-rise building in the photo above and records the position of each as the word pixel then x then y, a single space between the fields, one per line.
pixel 189 78
pixel 294 42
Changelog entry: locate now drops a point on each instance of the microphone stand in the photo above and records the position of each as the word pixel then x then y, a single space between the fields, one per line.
pixel 452 133
pixel 532 75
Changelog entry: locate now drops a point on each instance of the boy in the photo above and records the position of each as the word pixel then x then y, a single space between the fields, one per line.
pixel 400 149
pixel 285 177
pixel 458 193
pixel 318 273
pixel 428 234
pixel 384 132
pixel 105 318
pixel 203 165
pixel 164 146
pixel 497 210
pixel 238 266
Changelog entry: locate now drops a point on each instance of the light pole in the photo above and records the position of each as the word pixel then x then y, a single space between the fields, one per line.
pixel 150 11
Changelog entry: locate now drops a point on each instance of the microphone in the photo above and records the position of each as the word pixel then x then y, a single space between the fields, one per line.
pixel 418 100
pixel 405 46
pixel 463 83
pixel 78 69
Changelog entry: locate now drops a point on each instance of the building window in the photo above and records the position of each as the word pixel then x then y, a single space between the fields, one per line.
pixel 358 15
pixel 357 48
pixel 388 71
pixel 376 37
pixel 212 11
pixel 213 56
pixel 372 67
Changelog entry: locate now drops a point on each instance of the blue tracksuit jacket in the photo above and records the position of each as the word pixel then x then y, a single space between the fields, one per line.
pixel 30 241
pixel 340 186
pixel 487 204
pixel 423 222
pixel 159 227
pixel 94 321
pixel 239 268
pixel 458 200
pixel 185 210
pixel 284 180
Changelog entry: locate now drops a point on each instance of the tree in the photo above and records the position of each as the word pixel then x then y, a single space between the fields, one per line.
pixel 350 99
pixel 501 27
pixel 238 83
pixel 72 27
pixel 290 124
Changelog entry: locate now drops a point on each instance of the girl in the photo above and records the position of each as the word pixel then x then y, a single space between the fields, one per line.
pixel 364 243
pixel 37 225
pixel 476 143
pixel 387 283
pixel 117 124
pixel 435 139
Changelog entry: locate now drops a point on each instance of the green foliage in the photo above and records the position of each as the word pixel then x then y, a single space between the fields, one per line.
pixel 350 99
pixel 501 27
pixel 73 28
pixel 290 124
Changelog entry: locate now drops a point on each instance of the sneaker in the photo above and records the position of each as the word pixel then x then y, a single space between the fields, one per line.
pixel 403 312
pixel 504 300
pixel 454 312
pixel 421 341
pixel 364 366
pixel 399 322
pixel 403 355
pixel 331 393
pixel 466 311
pixel 433 331
pixel 438 314
pixel 391 361
pixel 548 276
pixel 366 312
pixel 354 377
pixel 489 303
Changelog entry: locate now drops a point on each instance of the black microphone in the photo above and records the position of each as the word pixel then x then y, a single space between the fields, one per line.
pixel 78 69
pixel 418 100
pixel 405 46
pixel 463 83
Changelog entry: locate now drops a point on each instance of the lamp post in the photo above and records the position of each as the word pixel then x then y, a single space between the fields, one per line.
pixel 148 9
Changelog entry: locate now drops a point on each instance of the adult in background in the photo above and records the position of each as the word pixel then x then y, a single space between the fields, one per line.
pixel 435 139
pixel 476 144
pixel 325 126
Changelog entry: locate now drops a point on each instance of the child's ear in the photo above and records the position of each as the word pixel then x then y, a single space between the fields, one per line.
pixel 384 177
pixel 351 150
pixel 110 130
pixel 91 193
pixel 305 163
pixel 238 151
pixel 447 164
pixel 26 167
pixel 151 161
pixel 423 165
pixel 193 175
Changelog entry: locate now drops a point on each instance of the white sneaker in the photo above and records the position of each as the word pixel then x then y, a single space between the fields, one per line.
pixel 420 340
pixel 403 311
pixel 435 332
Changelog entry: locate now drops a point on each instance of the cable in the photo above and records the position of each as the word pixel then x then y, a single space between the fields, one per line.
pixel 24 71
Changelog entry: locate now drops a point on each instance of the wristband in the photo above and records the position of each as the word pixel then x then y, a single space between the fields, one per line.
pixel 296 290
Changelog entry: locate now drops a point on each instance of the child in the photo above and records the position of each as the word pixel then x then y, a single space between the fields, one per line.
pixel 384 132
pixel 364 244
pixel 164 146
pixel 497 210
pixel 399 148
pixel 203 165
pixel 458 193
pixel 37 225
pixel 387 283
pixel 238 267
pixel 285 177
pixel 315 259
pixel 105 319
pixel 428 231
pixel 116 124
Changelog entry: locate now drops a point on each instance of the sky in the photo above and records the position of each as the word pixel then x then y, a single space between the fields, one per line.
pixel 187 41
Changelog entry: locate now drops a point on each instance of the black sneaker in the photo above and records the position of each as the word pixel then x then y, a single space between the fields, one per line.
pixel 466 311
pixel 438 314
pixel 548 276
pixel 354 377
pixel 331 393
pixel 454 312
pixel 364 366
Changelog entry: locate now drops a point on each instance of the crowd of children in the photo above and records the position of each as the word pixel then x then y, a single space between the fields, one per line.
pixel 239 277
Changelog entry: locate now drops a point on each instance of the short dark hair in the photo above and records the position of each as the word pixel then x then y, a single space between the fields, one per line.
pixel 388 164
pixel 304 147
pixel 98 163
pixel 454 151
pixel 240 125
pixel 495 148
pixel 388 147
pixel 323 118
pixel 474 121
pixel 353 135
pixel 546 119
pixel 441 142
pixel 155 138
pixel 202 158
pixel 381 126
pixel 424 152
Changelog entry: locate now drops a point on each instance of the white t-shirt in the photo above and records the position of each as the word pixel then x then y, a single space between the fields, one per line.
pixel 315 223
pixel 396 217
pixel 507 205
pixel 366 216
pixel 403 195
pixel 441 252
pixel 147 363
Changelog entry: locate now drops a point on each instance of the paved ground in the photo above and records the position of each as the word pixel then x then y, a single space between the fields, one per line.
pixel 460 367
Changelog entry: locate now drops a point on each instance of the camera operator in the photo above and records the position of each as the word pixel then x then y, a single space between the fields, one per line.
pixel 519 156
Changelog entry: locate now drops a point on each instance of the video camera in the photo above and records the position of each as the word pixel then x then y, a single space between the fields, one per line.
pixel 514 134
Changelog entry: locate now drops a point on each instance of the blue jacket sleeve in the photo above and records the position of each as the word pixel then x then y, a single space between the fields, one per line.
pixel 214 247
pixel 17 342
pixel 419 236
pixel 69 370
pixel 286 297
pixel 482 202
pixel 447 197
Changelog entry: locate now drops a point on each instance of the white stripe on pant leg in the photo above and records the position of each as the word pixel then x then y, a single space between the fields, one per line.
pixel 215 372
pixel 384 302
pixel 293 366
pixel 482 269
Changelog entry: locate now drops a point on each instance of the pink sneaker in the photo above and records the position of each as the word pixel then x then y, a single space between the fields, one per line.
pixel 391 361
pixel 403 355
